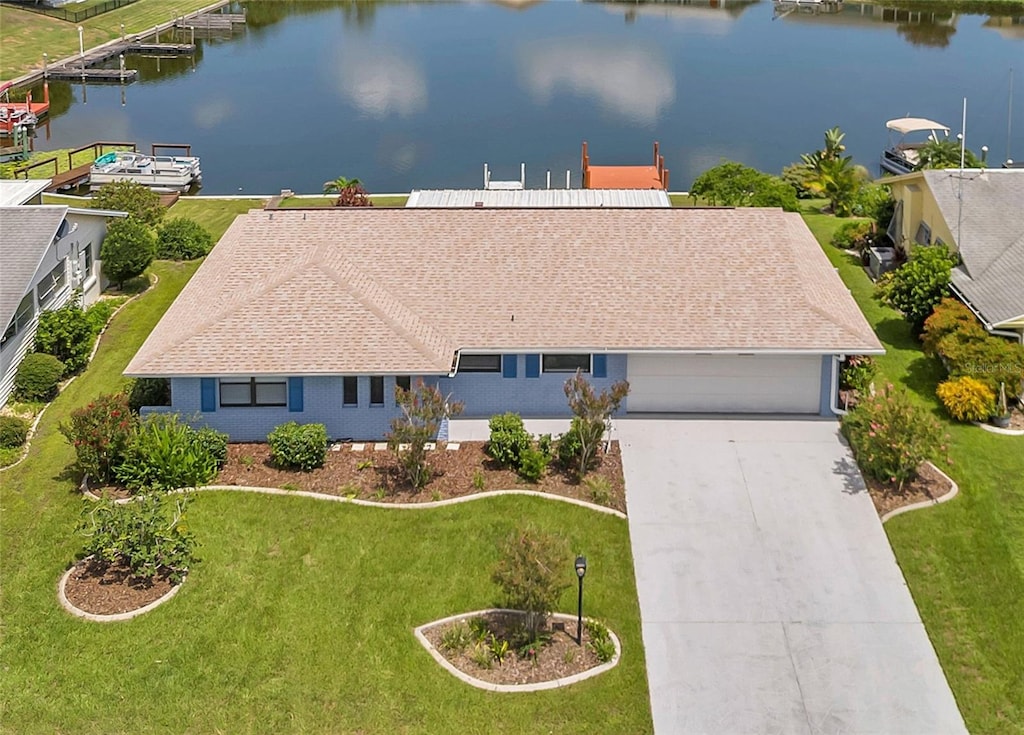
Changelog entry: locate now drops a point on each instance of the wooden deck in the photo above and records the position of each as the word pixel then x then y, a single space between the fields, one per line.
pixel 625 177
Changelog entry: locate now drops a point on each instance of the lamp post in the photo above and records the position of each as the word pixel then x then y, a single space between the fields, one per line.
pixel 81 42
pixel 581 572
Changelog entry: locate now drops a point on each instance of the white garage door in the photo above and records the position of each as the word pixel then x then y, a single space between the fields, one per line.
pixel 725 383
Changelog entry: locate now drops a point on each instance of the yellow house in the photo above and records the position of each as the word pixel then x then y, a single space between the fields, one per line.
pixel 978 213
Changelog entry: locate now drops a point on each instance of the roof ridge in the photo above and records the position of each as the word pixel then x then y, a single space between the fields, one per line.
pixel 436 346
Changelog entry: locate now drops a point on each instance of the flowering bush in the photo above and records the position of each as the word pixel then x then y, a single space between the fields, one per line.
pixel 100 434
pixel 967 399
pixel 891 436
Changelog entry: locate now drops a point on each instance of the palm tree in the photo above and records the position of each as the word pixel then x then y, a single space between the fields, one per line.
pixel 340 184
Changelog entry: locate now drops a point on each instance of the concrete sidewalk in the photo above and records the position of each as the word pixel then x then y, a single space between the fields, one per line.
pixel 770 599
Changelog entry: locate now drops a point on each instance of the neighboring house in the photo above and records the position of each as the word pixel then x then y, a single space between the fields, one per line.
pixel 46 253
pixel 316 315
pixel 980 215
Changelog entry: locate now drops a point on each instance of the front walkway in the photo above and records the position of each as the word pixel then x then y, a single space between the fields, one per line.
pixel 770 599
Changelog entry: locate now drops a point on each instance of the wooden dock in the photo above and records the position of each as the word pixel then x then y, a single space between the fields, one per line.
pixel 212 20
pixel 102 76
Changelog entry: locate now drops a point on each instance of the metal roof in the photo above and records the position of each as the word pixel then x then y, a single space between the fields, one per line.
pixel 632 198
pixel 19 191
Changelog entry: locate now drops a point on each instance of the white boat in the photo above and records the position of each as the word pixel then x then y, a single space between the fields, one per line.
pixel 160 173
pixel 901 156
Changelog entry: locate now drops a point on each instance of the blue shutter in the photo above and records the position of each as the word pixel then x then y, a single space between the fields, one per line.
pixel 208 394
pixel 508 366
pixel 295 395
pixel 600 366
pixel 533 366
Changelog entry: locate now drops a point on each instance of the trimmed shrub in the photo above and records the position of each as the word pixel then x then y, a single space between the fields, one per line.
pixel 533 571
pixel 149 392
pixel 532 463
pixel 164 455
pixel 147 535
pixel 948 317
pixel 100 434
pixel 67 334
pixel 569 446
pixel 853 236
pixel 298 446
pixel 182 239
pixel 37 377
pixel 874 201
pixel 967 399
pixel 917 287
pixel 213 442
pixel 990 360
pixel 13 431
pixel 891 437
pixel 127 250
pixel 99 313
pixel 509 440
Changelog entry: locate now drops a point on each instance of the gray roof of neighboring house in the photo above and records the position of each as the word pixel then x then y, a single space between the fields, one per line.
pixel 374 291
pixel 25 234
pixel 991 236
pixel 19 191
pixel 633 198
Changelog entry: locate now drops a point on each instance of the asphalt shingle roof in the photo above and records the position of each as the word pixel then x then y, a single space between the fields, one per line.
pixel 401 290
pixel 25 234
pixel 991 236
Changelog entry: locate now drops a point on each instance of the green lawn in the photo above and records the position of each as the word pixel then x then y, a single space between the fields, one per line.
pixel 27 35
pixel 214 214
pixel 964 560
pixel 298 616
pixel 328 201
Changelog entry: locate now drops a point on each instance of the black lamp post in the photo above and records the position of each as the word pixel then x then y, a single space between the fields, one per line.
pixel 581 571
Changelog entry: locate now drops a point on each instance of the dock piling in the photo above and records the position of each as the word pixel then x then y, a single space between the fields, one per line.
pixel 549 178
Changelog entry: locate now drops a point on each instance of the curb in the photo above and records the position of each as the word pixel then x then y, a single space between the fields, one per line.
pixel 112 618
pixel 405 506
pixel 96 346
pixel 491 687
pixel 997 430
pixel 953 490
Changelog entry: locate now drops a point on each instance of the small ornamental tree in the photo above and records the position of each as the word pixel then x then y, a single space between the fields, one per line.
pixel 67 334
pixel 147 535
pixel 127 250
pixel 183 239
pixel 594 413
pixel 350 192
pixel 140 202
pixel 424 408
pixel 891 437
pixel 533 572
pixel 917 287
pixel 100 434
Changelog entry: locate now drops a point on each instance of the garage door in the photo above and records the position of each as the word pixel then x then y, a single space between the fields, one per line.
pixel 725 383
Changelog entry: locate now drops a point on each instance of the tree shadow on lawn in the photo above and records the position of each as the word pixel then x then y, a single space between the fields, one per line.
pixel 923 376
pixel 896 333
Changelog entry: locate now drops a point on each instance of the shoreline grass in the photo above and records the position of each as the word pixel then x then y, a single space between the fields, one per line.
pixel 963 560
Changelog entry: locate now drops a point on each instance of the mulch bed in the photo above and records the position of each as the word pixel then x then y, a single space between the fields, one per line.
pixel 558 658
pixel 1017 420
pixel 375 475
pixel 928 485
pixel 108 589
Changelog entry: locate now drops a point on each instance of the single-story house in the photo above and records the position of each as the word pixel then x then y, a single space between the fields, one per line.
pixel 979 214
pixel 47 252
pixel 316 315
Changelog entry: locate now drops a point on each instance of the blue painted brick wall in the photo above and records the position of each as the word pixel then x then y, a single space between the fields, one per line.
pixel 484 394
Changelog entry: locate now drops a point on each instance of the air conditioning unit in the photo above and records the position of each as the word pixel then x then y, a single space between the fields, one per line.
pixel 881 260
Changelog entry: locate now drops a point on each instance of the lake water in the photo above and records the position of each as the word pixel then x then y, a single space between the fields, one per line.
pixel 422 95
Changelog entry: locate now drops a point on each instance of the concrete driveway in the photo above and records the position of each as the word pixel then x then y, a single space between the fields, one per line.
pixel 770 599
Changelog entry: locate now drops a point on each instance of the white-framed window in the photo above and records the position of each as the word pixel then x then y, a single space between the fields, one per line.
pixel 52 283
pixel 87 270
pixel 566 363
pixel 253 392
pixel 924 234
pixel 479 363
pixel 22 318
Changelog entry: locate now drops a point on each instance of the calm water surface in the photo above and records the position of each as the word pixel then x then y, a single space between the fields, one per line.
pixel 421 95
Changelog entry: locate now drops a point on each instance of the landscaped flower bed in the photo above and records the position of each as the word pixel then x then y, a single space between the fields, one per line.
pixel 103 588
pixel 492 646
pixel 927 485
pixel 375 475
